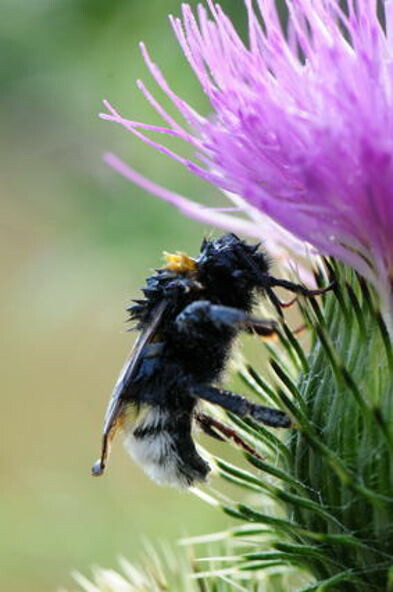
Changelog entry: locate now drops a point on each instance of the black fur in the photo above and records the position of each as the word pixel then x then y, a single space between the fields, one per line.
pixel 205 307
pixel 230 272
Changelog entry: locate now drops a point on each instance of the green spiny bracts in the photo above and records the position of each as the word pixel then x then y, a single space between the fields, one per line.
pixel 343 452
pixel 161 570
pixel 334 479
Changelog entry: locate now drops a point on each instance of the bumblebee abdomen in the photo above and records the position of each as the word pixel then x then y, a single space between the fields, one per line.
pixel 161 443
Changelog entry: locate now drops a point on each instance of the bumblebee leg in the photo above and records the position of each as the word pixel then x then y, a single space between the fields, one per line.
pixel 298 288
pixel 265 328
pixel 182 286
pixel 288 303
pixel 279 303
pixel 202 312
pixel 209 424
pixel 242 407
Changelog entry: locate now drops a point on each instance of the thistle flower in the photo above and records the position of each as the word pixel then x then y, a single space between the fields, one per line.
pixel 301 132
pixel 302 123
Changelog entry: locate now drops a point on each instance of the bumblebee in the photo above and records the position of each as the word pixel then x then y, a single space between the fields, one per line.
pixel 191 312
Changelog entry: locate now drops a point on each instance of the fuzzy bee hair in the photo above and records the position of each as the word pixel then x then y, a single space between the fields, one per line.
pixel 191 312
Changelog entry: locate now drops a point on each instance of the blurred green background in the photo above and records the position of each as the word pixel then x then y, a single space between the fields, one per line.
pixel 76 243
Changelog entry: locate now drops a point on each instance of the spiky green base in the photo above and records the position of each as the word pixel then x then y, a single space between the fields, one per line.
pixel 336 473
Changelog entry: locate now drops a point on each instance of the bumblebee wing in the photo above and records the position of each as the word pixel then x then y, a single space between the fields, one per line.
pixel 116 404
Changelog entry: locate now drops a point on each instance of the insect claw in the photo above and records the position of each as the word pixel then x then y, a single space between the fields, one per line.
pixel 288 303
pixel 319 291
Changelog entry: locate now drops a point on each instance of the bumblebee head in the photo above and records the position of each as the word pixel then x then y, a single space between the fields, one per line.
pixel 232 265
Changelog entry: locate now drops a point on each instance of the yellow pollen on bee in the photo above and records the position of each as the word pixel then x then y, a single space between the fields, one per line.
pixel 179 262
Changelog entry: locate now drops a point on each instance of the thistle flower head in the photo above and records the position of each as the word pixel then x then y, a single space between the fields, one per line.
pixel 301 125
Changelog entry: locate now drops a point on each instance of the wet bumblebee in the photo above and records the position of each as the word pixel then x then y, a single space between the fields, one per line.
pixel 190 315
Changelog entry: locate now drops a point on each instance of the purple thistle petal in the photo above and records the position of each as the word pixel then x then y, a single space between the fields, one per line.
pixel 186 206
pixel 301 125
